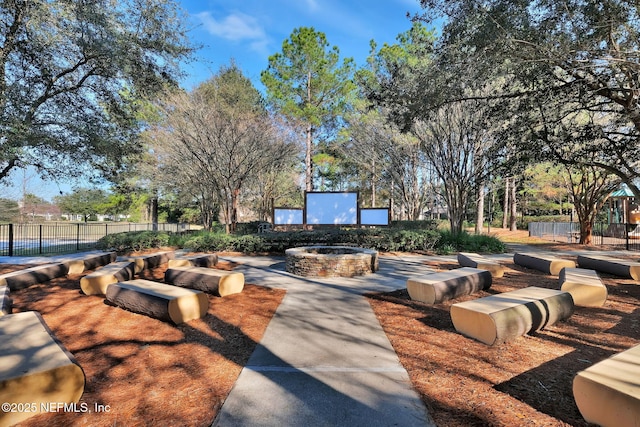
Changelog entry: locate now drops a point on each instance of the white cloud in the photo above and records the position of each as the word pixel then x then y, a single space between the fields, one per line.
pixel 235 27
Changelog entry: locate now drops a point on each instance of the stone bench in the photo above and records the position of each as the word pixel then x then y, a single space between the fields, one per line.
pixel 608 392
pixel 504 317
pixel 89 262
pixel 6 302
pixel 473 260
pixel 546 263
pixel 30 276
pixel 605 264
pixel 144 262
pixel 446 285
pixel 218 282
pixel 159 300
pixel 96 283
pixel 584 285
pixel 201 260
pixel 35 368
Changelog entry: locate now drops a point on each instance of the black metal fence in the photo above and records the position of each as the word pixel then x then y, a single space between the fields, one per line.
pixel 64 237
pixel 619 236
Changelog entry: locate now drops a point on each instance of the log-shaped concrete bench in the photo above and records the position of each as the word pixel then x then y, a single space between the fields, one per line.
pixel 608 393
pixel 466 259
pixel 546 263
pixel 144 262
pixel 159 300
pixel 35 368
pixel 30 276
pixel 504 317
pixel 200 260
pixel 584 285
pixel 446 285
pixel 615 266
pixel 217 282
pixel 6 302
pixel 89 262
pixel 96 283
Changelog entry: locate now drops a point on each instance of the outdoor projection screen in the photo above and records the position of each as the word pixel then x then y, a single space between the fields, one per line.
pixel 331 208
pixel 374 216
pixel 286 216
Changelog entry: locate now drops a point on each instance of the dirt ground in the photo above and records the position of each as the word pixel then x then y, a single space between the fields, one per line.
pixel 150 373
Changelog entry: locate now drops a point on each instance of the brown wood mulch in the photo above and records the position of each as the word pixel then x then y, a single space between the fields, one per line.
pixel 144 371
pixel 527 382
pixel 150 373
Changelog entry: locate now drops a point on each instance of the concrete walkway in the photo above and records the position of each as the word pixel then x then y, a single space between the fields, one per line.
pixel 324 359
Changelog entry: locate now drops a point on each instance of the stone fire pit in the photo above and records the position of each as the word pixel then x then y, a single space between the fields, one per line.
pixel 331 261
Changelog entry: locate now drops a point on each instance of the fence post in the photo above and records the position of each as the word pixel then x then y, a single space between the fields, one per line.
pixel 626 237
pixel 10 239
pixel 40 239
pixel 77 236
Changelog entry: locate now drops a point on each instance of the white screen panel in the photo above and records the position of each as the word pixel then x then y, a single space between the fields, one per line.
pixel 282 216
pixel 332 208
pixel 374 216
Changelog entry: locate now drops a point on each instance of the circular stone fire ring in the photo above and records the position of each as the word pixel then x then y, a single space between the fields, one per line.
pixel 331 261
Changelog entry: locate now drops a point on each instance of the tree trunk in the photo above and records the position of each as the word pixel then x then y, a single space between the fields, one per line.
pixel 586 231
pixel 154 212
pixel 505 205
pixel 235 195
pixel 309 144
pixel 513 218
pixel 307 161
pixel 373 184
pixel 480 209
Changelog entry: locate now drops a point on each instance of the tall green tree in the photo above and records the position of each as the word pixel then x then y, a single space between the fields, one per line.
pixel 71 73
pixel 555 59
pixel 307 84
pixel 9 210
pixel 83 201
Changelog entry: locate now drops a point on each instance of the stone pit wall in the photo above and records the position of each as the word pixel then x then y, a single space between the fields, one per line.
pixel 331 261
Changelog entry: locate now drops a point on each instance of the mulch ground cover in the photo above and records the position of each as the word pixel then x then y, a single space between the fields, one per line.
pixel 151 373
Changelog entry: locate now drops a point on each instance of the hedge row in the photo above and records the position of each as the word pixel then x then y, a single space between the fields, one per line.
pixel 386 240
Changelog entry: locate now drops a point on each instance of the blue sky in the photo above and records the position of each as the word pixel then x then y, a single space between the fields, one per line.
pixel 249 31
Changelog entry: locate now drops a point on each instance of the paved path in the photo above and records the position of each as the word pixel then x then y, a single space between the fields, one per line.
pixel 324 359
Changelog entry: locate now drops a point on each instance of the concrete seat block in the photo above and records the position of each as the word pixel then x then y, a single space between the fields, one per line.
pixel 584 285
pixel 96 283
pixel 217 282
pixel 615 266
pixel 89 262
pixel 143 262
pixel 446 285
pixel 504 317
pixel 473 260
pixel 35 368
pixel 30 276
pixel 159 300
pixel 546 263
pixel 6 303
pixel 200 260
pixel 608 392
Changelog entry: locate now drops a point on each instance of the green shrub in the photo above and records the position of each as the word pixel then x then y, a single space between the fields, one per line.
pixel 134 241
pixel 389 239
pixel 465 242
